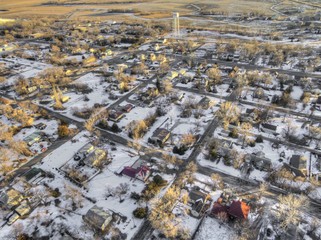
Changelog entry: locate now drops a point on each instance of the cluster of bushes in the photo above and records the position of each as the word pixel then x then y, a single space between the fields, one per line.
pixel 234 133
pixel 140 212
pixel 180 150
pixel 63 130
pixel 259 139
pixel 103 124
pixel 213 154
pixel 55 192
pixel 227 160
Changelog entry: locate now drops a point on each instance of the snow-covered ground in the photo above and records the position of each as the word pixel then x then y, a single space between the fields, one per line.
pixel 212 229
pixel 23 67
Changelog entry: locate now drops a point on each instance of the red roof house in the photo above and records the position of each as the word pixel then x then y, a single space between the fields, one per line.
pixel 141 173
pixel 219 210
pixel 239 209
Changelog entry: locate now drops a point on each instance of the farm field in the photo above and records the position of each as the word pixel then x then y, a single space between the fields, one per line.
pixel 149 9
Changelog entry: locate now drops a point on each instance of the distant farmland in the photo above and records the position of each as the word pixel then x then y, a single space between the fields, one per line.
pixel 145 8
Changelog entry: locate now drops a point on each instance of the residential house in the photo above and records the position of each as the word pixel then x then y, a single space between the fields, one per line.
pixel 32 89
pixel 236 209
pixel 196 196
pixel 219 210
pixel 223 151
pixel 22 210
pixel 303 141
pixel 141 172
pixel 84 152
pixel 10 198
pixel 260 162
pixel 248 115
pixel 127 108
pixel 91 60
pixel 98 218
pixel 160 136
pixel 65 99
pixel 239 210
pixel 33 138
pixel 115 115
pixel 199 201
pixel 96 157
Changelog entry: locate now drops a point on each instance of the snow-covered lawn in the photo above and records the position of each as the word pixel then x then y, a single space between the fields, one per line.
pixel 211 229
pixel 96 189
pixel 23 67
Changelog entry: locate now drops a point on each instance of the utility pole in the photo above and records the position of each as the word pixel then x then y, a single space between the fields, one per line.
pixel 310 160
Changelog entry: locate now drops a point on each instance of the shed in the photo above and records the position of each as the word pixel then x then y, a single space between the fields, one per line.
pixel 267 127
pixel 299 163
pixel 204 103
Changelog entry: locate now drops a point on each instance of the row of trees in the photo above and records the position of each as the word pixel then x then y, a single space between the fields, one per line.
pixel 278 52
pixel 161 215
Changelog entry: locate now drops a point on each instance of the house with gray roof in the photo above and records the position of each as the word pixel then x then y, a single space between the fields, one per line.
pixel 98 218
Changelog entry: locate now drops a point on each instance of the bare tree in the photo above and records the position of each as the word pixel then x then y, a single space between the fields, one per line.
pixel 245 131
pixel 214 74
pixel 121 190
pixel 289 129
pixel 161 216
pixel 75 195
pixel 217 181
pixel 288 212
pixel 96 115
pixel 171 159
pixel 20 147
pixel 109 192
pixel 188 139
pixel 228 113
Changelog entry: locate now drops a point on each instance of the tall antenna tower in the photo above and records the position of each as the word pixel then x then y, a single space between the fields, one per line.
pixel 176 24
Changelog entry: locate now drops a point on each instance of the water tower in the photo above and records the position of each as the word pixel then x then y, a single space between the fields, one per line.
pixel 176 24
